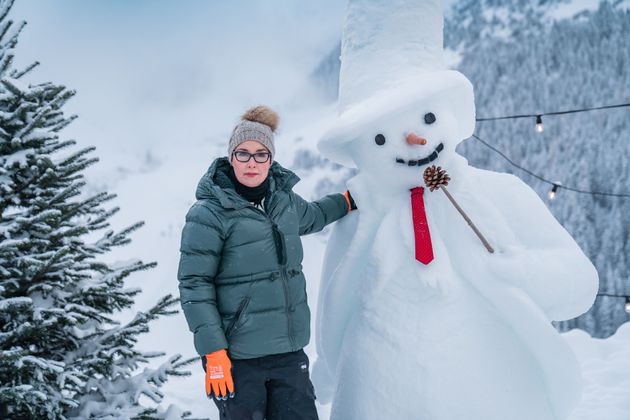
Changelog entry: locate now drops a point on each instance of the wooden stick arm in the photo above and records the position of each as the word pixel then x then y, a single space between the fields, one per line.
pixel 470 223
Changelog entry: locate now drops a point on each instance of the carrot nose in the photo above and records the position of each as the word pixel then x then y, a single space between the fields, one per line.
pixel 413 138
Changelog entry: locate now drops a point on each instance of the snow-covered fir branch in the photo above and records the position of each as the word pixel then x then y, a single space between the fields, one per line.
pixel 62 352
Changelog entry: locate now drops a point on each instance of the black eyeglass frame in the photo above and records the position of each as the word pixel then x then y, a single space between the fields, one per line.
pixel 250 155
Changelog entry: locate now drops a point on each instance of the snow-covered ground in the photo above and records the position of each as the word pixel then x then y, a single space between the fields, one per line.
pixel 606 371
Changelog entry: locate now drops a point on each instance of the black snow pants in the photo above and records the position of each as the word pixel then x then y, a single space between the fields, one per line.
pixel 275 387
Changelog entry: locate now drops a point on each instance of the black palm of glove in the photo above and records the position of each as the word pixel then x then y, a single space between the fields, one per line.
pixel 353 205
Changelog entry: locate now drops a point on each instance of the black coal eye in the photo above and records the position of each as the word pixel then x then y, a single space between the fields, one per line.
pixel 429 118
pixel 379 139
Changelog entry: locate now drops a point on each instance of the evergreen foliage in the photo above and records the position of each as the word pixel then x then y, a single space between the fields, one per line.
pixel 62 353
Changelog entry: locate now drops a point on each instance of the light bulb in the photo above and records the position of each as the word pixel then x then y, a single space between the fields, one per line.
pixel 539 124
pixel 627 305
pixel 552 193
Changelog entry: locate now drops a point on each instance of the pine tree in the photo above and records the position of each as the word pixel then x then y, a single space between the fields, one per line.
pixel 62 353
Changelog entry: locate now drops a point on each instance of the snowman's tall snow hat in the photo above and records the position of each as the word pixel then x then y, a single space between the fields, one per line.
pixel 391 59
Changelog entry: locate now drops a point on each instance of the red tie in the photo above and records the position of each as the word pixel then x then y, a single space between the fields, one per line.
pixel 424 250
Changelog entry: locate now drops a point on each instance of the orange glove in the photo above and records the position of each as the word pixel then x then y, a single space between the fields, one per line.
pixel 219 375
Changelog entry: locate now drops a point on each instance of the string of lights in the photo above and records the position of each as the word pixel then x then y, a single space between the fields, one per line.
pixel 539 124
pixel 552 195
pixel 556 185
pixel 613 295
pixel 627 298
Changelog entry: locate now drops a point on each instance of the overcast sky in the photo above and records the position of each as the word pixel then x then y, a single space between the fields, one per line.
pixel 145 66
pixel 159 71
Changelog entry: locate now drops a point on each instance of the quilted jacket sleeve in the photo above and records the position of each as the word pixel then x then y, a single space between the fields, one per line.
pixel 200 254
pixel 314 216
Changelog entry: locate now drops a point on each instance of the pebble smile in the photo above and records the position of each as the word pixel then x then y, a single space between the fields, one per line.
pixel 425 160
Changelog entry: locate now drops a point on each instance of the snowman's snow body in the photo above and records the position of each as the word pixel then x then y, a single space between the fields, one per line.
pixel 468 335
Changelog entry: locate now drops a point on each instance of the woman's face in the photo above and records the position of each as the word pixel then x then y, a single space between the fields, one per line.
pixel 251 173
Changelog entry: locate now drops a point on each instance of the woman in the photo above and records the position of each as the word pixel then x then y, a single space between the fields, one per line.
pixel 240 276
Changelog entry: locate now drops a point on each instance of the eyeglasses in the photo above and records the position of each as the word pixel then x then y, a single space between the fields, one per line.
pixel 259 157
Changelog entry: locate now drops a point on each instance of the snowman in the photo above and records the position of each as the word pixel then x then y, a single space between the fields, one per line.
pixel 417 319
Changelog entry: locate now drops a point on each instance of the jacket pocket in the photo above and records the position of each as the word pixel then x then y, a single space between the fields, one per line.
pixel 234 324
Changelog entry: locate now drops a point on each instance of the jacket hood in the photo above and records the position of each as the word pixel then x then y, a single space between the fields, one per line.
pixel 215 183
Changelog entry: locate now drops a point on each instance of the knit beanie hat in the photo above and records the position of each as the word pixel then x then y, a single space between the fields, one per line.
pixel 257 123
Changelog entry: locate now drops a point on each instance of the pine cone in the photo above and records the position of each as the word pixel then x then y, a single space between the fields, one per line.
pixel 434 177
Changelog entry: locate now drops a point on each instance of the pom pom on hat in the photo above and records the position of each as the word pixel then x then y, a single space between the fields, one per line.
pixel 258 123
pixel 263 115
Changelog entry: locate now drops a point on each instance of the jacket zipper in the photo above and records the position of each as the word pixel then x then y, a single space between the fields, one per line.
pixel 283 275
pixel 286 306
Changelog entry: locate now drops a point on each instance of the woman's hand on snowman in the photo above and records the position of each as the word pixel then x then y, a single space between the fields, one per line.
pixel 218 375
pixel 351 204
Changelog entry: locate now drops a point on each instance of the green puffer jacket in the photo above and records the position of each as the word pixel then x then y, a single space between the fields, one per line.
pixel 240 273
